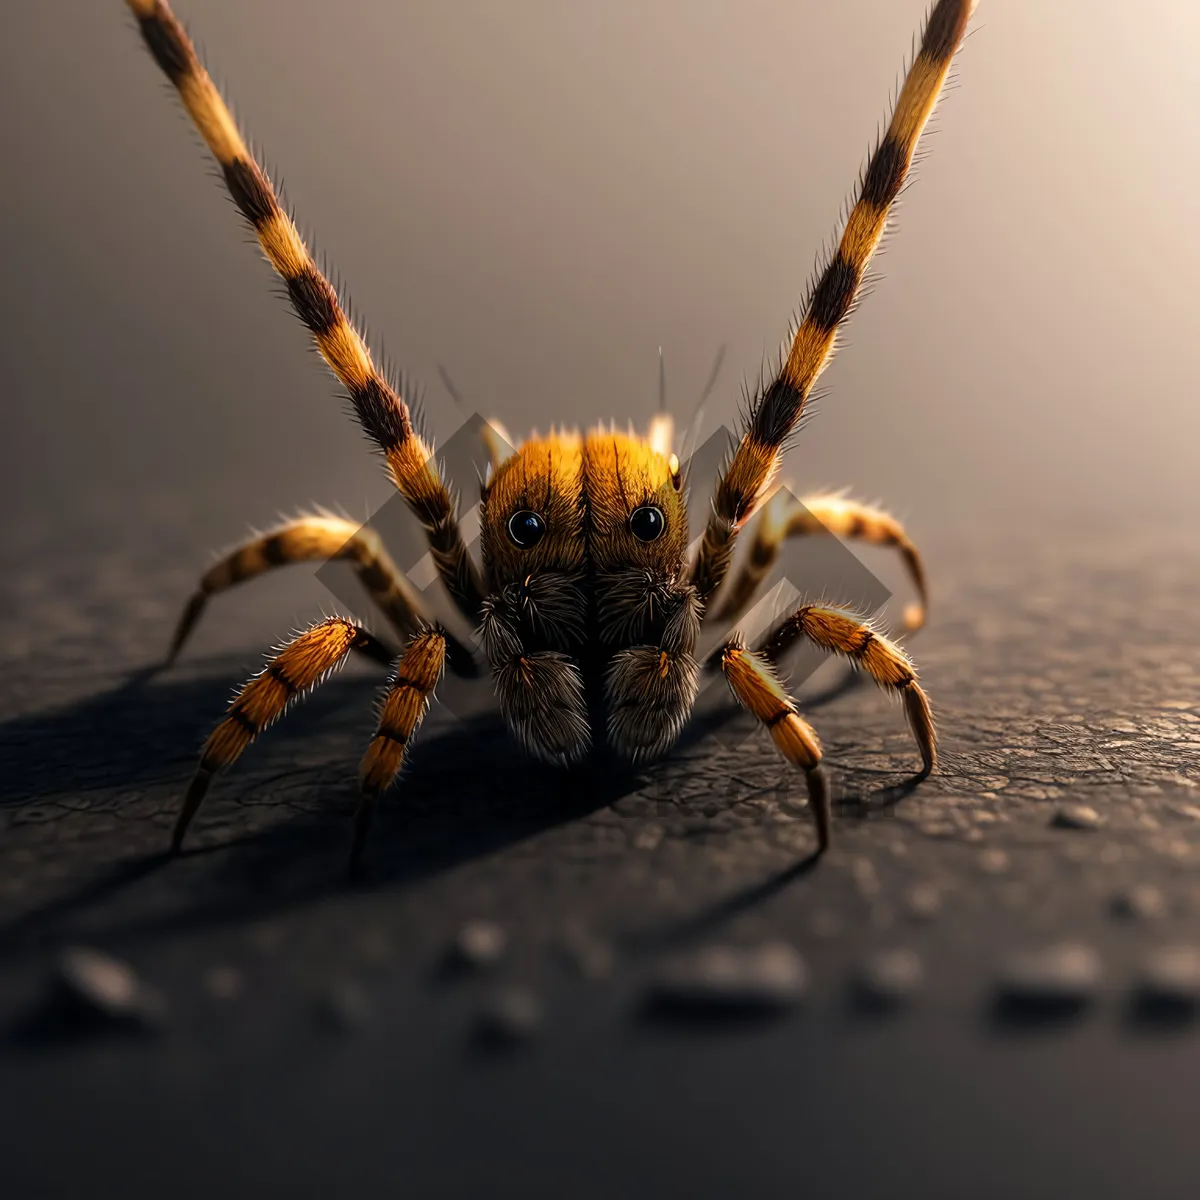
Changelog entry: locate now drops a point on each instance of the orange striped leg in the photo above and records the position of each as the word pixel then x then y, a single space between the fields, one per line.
pixel 784 516
pixel 757 689
pixel 886 663
pixel 775 414
pixel 404 706
pixel 299 666
pixel 379 406
pixel 310 539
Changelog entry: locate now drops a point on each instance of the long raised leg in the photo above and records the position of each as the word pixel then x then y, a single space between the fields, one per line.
pixel 885 662
pixel 404 705
pixel 784 516
pixel 296 668
pixel 756 687
pixel 775 414
pixel 379 406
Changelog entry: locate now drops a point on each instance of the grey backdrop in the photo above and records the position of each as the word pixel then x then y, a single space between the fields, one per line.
pixel 538 195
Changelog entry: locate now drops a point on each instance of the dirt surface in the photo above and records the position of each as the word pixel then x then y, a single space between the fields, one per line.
pixel 316 1043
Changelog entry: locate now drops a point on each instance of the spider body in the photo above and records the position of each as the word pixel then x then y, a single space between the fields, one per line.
pixel 589 625
pixel 587 603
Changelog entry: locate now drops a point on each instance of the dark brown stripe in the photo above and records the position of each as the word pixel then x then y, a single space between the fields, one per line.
pixel 277 673
pixel 775 414
pixel 946 25
pixel 867 638
pixel 374 577
pixel 241 566
pixel 858 526
pixel 762 554
pixel 393 733
pixel 275 550
pixel 445 537
pixel 167 43
pixel 405 681
pixel 238 717
pixel 314 300
pixel 885 173
pixel 250 191
pixel 382 418
pixel 371 646
pixel 782 715
pixel 833 295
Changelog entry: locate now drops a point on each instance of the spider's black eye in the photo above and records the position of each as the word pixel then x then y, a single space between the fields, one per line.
pixel 526 529
pixel 647 523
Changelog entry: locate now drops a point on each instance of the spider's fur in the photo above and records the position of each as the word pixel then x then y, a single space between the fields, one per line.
pixel 588 608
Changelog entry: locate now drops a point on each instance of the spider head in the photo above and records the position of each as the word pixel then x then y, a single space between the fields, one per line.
pixel 532 515
pixel 636 512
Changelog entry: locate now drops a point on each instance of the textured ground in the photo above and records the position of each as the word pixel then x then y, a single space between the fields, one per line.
pixel 1062 675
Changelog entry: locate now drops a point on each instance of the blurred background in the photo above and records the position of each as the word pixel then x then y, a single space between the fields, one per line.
pixel 539 195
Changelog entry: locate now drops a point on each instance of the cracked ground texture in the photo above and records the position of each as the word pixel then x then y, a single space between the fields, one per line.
pixel 1061 675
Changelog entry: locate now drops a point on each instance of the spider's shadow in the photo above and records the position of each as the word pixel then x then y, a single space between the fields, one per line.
pixel 469 793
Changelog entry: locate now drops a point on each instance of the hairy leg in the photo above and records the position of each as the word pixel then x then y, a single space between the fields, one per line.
pixel 296 668
pixel 776 412
pixel 401 711
pixel 377 402
pixel 309 539
pixel 757 689
pixel 784 516
pixel 886 663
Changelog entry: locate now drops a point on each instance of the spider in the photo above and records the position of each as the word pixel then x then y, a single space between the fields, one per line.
pixel 588 604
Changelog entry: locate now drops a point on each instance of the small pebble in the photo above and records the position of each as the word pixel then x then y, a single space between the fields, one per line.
pixel 889 979
pixel 97 985
pixel 993 861
pixel 648 837
pixel 1076 816
pixel 344 1007
pixel 923 902
pixel 1142 902
pixel 479 944
pixel 1170 980
pixel 1063 977
pixel 729 979
pixel 510 1016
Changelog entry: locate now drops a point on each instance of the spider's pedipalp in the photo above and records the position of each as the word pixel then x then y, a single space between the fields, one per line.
pixel 777 409
pixel 380 408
